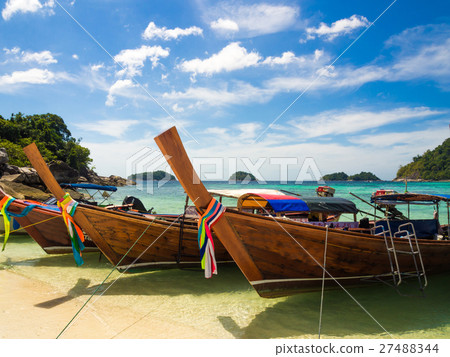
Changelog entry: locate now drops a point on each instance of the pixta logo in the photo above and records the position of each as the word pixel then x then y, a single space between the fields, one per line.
pixel 141 166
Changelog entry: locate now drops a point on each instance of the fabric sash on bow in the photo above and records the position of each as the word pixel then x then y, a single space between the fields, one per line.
pixel 4 203
pixel 8 216
pixel 205 241
pixel 68 207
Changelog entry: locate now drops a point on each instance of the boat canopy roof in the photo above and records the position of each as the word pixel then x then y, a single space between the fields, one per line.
pixel 89 186
pixel 403 198
pixel 239 192
pixel 285 203
pixel 330 205
pixel 279 203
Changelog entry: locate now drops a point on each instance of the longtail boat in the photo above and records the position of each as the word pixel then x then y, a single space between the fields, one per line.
pixel 45 225
pixel 282 257
pixel 131 241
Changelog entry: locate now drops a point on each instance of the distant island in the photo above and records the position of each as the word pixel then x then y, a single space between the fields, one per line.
pixel 433 165
pixel 241 176
pixel 155 176
pixel 342 176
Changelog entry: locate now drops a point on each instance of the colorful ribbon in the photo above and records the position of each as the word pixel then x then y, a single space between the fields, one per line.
pixel 8 216
pixel 68 207
pixel 4 203
pixel 205 241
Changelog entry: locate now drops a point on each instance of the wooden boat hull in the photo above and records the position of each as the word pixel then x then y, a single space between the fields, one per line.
pixel 47 228
pixel 136 241
pixel 281 257
pixel 290 256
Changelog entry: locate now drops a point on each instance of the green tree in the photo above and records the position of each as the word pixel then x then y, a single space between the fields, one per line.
pixel 364 176
pixel 50 134
pixel 432 165
pixel 336 176
pixel 242 175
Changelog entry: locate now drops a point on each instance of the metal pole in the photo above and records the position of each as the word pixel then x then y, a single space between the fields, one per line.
pixel 448 220
pixel 371 205
pixel 323 278
pixel 180 239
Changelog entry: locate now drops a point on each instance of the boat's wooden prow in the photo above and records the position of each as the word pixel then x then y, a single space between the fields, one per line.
pixel 171 146
pixel 42 169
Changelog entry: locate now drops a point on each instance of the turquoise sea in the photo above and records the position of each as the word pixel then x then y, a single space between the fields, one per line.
pixel 226 306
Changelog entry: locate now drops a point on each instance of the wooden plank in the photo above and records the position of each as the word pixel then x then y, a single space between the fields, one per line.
pixel 171 146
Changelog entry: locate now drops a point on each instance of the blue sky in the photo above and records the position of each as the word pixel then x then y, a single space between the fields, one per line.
pixel 329 80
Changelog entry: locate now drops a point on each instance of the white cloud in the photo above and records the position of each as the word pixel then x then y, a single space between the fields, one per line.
pixel 330 156
pixel 251 20
pixel 12 51
pixel 97 67
pixel 338 28
pixel 41 58
pixel 422 138
pixel 224 25
pixel 241 93
pixel 177 109
pixel 110 158
pixel 424 53
pixel 75 56
pixel 32 76
pixel 133 60
pixel 114 128
pixel 152 31
pixel 163 123
pixel 230 58
pixel 248 130
pixel 125 88
pixel 13 7
pixel 10 82
pixel 286 58
pixel 354 121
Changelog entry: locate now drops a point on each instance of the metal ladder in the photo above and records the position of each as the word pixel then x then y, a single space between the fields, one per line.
pixel 414 252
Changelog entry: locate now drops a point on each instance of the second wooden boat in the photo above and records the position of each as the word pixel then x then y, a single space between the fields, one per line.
pixel 281 257
pixel 46 226
pixel 130 241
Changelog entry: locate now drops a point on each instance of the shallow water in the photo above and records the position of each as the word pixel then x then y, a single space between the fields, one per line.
pixel 226 306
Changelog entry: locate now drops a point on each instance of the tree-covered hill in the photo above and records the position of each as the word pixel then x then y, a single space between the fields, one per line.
pixel 336 176
pixel 155 175
pixel 432 165
pixel 241 176
pixel 342 176
pixel 50 134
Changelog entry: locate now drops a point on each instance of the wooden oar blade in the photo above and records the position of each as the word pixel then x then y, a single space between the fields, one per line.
pixel 171 146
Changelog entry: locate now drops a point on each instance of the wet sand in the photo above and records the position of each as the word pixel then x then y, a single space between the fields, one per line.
pixel 33 309
pixel 40 293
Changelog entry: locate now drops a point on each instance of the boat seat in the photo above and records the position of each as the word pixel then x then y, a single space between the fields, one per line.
pixel 425 228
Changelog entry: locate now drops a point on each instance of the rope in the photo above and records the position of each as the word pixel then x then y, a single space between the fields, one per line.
pixel 8 217
pixel 140 255
pixel 31 225
pixel 323 279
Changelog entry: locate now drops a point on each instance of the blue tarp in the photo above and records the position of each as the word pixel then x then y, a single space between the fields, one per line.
pixel 289 205
pixel 285 203
pixel 89 186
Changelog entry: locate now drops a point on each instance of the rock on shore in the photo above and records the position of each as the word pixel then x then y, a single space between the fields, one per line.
pixel 25 183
